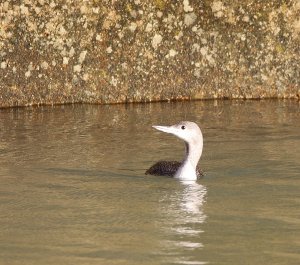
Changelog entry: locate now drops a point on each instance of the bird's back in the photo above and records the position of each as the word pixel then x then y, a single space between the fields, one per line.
pixel 164 168
pixel 168 168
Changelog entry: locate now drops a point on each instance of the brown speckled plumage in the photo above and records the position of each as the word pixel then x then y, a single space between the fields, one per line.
pixel 168 168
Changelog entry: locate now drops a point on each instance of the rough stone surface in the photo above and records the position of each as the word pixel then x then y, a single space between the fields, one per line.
pixel 63 51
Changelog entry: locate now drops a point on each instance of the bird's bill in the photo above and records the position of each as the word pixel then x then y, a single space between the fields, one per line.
pixel 166 129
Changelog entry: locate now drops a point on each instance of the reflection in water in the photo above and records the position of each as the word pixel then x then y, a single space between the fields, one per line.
pixel 193 199
pixel 184 218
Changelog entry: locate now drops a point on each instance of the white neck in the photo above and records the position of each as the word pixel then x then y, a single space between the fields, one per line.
pixel 187 171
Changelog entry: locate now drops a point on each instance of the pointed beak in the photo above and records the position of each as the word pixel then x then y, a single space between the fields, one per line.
pixel 166 129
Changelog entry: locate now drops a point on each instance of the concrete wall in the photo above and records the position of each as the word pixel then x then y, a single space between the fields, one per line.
pixel 59 51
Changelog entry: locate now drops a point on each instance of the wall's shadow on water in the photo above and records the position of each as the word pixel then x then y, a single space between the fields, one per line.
pixel 97 173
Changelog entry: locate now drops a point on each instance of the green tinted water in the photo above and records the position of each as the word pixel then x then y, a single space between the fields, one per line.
pixel 73 189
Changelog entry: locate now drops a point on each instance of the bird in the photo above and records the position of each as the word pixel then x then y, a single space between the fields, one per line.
pixel 188 169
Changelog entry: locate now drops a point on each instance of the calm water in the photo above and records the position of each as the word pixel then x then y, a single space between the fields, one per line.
pixel 73 189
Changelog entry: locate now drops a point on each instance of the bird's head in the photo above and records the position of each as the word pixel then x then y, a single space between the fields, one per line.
pixel 186 130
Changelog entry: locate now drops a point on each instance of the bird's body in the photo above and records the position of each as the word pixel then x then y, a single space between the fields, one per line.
pixel 169 168
pixel 187 169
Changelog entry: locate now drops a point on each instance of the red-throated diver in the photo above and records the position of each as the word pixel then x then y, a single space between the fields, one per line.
pixel 191 134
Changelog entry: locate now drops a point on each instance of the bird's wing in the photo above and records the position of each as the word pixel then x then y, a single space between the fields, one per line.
pixel 199 172
pixel 164 168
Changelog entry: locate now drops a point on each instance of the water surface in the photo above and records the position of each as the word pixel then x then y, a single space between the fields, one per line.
pixel 73 189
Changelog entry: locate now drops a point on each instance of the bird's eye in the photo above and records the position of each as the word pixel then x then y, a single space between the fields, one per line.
pixel 182 127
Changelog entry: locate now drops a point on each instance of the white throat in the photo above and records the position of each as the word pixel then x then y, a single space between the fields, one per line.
pixel 187 171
